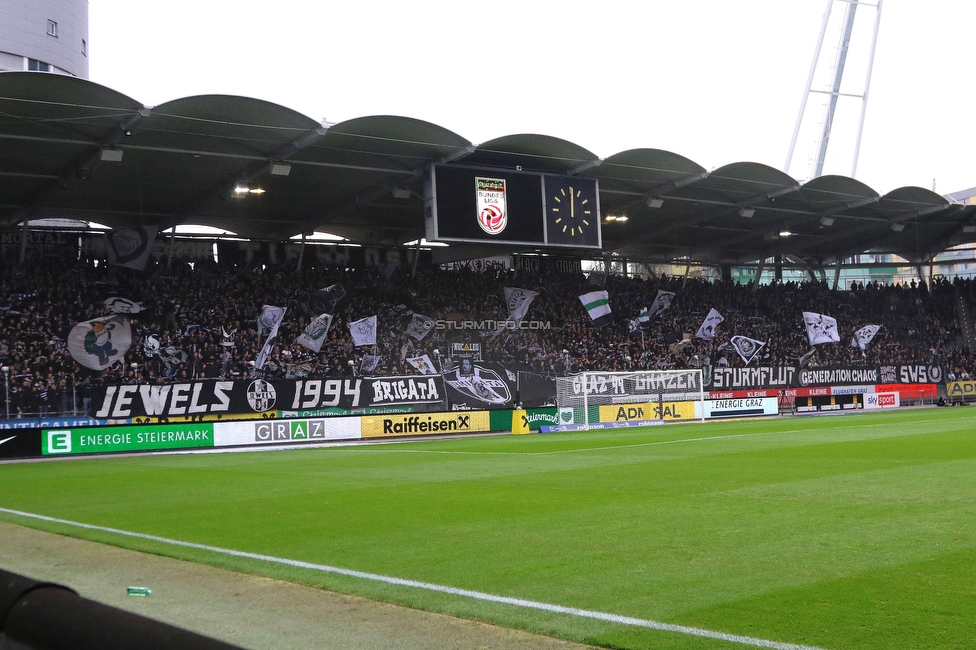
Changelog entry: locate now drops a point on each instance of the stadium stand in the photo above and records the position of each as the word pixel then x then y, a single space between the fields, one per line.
pixel 189 310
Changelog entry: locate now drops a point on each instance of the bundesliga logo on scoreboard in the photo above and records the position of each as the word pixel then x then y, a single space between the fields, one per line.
pixel 492 205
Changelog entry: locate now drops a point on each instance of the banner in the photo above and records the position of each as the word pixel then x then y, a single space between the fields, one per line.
pixel 220 399
pixel 100 342
pixel 130 247
pixel 745 378
pixel 707 329
pixel 820 328
pixel 466 347
pixel 536 390
pixel 746 347
pixel 486 386
pixel 911 374
pixel 363 331
pixel 313 336
pixel 838 376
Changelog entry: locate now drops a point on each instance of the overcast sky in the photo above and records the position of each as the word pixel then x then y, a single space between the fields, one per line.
pixel 717 81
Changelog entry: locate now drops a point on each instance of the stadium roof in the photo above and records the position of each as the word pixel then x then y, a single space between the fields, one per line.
pixel 70 148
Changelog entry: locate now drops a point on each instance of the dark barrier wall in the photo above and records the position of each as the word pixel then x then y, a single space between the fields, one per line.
pixel 37 615
pixel 20 443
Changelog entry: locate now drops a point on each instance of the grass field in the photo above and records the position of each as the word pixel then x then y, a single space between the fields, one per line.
pixel 855 531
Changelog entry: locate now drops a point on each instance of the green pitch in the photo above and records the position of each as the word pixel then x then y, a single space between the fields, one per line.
pixel 855 531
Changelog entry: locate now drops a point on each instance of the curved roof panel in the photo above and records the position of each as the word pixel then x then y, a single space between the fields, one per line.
pixel 71 148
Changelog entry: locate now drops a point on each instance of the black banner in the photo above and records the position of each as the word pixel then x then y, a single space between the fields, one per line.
pixel 489 386
pixel 746 378
pixel 791 377
pixel 911 374
pixel 200 399
pixel 838 376
pixel 536 390
pixel 20 443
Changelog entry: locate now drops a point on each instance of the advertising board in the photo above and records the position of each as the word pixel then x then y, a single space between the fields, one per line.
pixel 98 440
pixel 668 411
pixel 429 424
pixel 282 432
pixel 874 401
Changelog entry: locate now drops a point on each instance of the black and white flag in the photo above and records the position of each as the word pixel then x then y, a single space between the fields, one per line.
pixel 420 326
pixel 227 337
pixel 324 300
pixel 518 301
pixel 864 336
pixel 120 305
pixel 422 364
pixel 369 363
pixel 363 331
pixel 662 301
pixel 707 329
pixel 130 247
pixel 820 328
pixel 746 347
pixel 270 317
pixel 269 343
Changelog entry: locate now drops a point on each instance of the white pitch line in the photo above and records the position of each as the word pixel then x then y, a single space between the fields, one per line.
pixel 454 591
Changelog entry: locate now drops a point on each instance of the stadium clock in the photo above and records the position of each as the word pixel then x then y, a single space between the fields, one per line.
pixel 572 211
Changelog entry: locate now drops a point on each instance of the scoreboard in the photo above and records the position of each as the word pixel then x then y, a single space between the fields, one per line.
pixel 484 205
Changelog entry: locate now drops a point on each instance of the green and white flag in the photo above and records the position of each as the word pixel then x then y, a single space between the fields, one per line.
pixel 597 303
pixel 313 336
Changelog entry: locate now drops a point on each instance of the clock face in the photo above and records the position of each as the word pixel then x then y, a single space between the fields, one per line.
pixel 572 211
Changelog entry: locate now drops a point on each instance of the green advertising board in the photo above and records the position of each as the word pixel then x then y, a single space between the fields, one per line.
pixel 99 440
pixel 501 420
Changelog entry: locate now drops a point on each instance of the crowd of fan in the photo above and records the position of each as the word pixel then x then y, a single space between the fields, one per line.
pixel 205 320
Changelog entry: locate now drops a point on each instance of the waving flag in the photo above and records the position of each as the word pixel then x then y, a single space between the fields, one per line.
pixel 518 301
pixel 746 347
pixel 423 364
pixel 662 301
pixel 313 336
pixel 597 303
pixel 420 326
pixel 820 328
pixel 272 339
pixel 363 331
pixel 100 342
pixel 707 329
pixel 270 317
pixel 864 336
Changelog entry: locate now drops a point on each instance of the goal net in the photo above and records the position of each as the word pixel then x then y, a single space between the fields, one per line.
pixel 606 399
